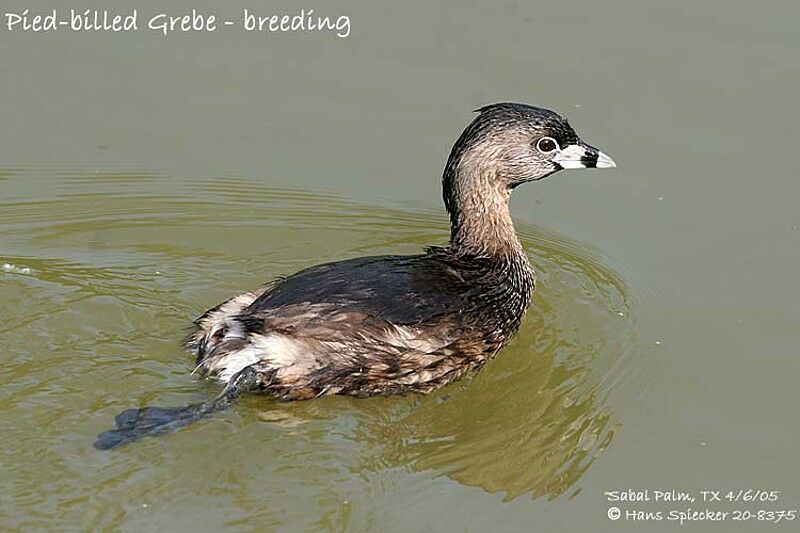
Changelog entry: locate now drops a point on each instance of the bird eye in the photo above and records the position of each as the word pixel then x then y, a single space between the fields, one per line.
pixel 546 145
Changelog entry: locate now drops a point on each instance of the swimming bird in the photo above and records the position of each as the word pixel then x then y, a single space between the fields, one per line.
pixel 392 324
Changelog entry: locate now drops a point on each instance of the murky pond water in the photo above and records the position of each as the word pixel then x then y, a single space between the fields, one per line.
pixel 96 322
pixel 145 178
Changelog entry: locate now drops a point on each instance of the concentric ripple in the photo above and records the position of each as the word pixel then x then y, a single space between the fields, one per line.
pixel 106 269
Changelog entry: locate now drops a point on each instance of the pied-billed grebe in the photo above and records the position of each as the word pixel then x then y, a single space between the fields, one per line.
pixel 392 324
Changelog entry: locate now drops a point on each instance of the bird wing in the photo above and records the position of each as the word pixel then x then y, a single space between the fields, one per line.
pixel 400 290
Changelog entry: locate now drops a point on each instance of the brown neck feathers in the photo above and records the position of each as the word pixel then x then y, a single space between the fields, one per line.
pixel 478 203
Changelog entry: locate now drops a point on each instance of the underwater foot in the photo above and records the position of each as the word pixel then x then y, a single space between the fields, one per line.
pixel 133 424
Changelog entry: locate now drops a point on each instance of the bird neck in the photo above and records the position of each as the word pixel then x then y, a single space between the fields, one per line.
pixel 480 217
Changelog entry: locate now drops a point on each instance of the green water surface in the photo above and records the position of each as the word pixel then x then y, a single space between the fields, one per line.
pixel 145 178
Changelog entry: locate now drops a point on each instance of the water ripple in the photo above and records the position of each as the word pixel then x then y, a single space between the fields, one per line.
pixel 103 272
